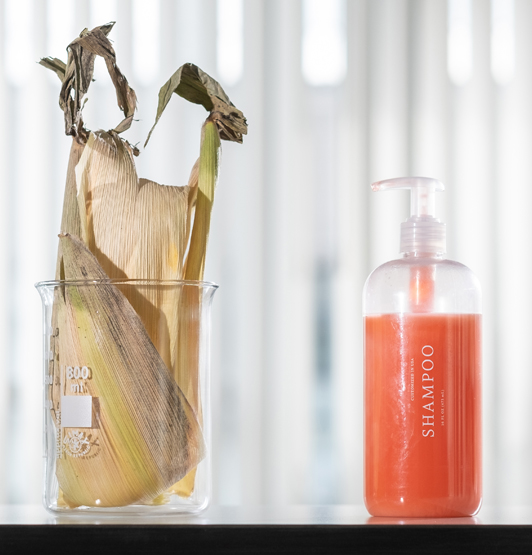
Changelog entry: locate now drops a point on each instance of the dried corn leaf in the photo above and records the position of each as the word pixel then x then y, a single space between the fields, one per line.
pixel 77 74
pixel 194 85
pixel 56 65
pixel 145 435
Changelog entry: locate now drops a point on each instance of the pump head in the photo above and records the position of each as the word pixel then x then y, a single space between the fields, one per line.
pixel 422 232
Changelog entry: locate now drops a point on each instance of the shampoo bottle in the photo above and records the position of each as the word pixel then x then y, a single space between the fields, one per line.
pixel 422 373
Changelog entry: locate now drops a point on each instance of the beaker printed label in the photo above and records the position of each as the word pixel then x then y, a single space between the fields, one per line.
pixel 76 379
pixel 76 411
pixel 76 443
pixel 59 437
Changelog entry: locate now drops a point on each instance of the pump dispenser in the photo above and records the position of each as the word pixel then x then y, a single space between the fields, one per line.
pixel 422 232
pixel 422 372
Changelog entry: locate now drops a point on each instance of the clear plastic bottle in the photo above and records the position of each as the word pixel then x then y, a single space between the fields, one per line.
pixel 422 373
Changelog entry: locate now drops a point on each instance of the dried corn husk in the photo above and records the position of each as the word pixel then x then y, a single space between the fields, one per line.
pixel 139 229
pixel 145 435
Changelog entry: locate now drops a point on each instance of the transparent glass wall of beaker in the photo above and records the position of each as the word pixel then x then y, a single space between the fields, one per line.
pixel 126 396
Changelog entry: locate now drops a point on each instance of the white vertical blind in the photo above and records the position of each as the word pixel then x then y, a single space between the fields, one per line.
pixel 388 125
pixel 239 427
pixel 503 41
pixel 351 264
pixel 460 41
pixel 512 380
pixel 472 197
pixel 438 88
pixel 429 94
pixel 288 268
pixel 323 42
pixel 5 321
pixel 230 41
pixel 29 251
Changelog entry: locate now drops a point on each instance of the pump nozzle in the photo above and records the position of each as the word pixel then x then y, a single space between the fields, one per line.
pixel 422 232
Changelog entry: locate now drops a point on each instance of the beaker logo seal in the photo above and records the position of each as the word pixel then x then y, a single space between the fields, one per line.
pixel 76 443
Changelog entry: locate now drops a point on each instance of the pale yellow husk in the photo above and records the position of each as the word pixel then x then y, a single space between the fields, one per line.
pixel 137 229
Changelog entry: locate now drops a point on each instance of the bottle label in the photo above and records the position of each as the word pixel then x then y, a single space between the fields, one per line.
pixel 428 375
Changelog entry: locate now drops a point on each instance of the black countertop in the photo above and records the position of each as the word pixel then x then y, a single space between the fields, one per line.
pixel 266 529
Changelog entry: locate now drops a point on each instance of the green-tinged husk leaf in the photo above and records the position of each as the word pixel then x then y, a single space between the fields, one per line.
pixel 187 348
pixel 207 177
pixel 138 401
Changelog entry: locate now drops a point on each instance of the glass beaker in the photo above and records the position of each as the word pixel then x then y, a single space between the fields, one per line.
pixel 126 396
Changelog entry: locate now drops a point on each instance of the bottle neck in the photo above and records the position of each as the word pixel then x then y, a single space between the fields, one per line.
pixel 422 234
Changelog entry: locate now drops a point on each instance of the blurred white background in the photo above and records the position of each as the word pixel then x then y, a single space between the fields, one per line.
pixel 338 93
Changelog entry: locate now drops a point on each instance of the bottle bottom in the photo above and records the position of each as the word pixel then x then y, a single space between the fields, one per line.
pixel 423 508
